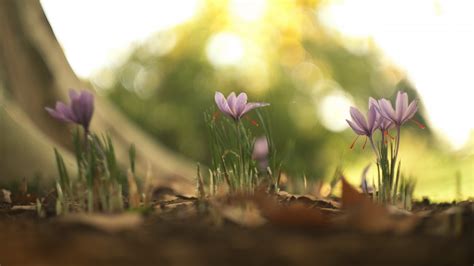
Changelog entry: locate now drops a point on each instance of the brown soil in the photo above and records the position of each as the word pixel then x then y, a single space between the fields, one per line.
pixel 170 239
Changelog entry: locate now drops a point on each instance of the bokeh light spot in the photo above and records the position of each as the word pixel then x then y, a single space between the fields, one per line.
pixel 247 10
pixel 333 109
pixel 225 49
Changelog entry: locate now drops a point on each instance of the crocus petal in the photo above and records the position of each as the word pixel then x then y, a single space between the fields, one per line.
pixel 373 102
pixel 73 94
pixel 401 105
pixel 385 124
pixel 221 103
pixel 359 118
pixel 232 101
pixel 86 102
pixel 386 110
pixel 77 110
pixel 57 115
pixel 411 110
pixel 372 117
pixel 250 106
pixel 66 112
pixel 389 124
pixel 241 103
pixel 356 128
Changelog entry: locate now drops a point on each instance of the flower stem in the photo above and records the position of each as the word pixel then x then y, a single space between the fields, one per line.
pixel 241 153
pixel 397 144
pixel 86 139
pixel 374 148
pixel 383 137
pixel 394 161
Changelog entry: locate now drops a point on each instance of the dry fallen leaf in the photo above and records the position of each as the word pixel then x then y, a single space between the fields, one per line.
pixel 175 203
pixel 296 215
pixel 179 185
pixel 351 198
pixel 110 223
pixel 242 213
pixel 293 215
pixel 23 208
pixel 284 194
pixel 163 194
pixel 312 201
pixel 5 196
pixel 23 199
pixel 363 214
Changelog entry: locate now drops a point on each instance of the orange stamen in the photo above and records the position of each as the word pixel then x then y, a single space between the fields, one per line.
pixel 420 125
pixel 386 133
pixel 353 143
pixel 252 121
pixel 365 142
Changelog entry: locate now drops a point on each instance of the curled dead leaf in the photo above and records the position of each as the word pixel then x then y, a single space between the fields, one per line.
pixel 313 202
pixel 296 215
pixel 292 215
pixel 365 215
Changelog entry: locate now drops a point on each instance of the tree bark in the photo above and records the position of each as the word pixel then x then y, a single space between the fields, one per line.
pixel 34 73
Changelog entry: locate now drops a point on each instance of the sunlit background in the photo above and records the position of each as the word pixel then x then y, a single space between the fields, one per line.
pixel 161 61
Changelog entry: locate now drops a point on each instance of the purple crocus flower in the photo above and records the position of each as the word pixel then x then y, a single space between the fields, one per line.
pixel 363 127
pixel 360 125
pixel 384 123
pixel 260 152
pixel 79 111
pixel 402 112
pixel 235 106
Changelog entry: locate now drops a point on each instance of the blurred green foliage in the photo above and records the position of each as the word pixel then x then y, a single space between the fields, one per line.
pixel 291 60
pixel 299 63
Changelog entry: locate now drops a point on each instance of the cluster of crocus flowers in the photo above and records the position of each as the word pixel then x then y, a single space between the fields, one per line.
pixel 383 116
pixel 236 106
pixel 79 111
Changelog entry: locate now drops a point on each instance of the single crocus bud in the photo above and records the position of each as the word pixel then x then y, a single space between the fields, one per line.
pixel 260 153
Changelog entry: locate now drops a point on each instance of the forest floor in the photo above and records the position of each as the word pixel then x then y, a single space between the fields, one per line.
pixel 291 230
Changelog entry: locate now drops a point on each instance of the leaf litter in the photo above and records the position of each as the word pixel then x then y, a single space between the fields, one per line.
pixel 354 212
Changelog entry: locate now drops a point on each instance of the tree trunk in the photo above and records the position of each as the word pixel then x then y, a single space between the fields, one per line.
pixel 34 73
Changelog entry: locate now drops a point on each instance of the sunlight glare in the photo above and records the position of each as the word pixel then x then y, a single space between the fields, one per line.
pixel 92 33
pixel 432 41
pixel 225 49
pixel 332 110
pixel 247 10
